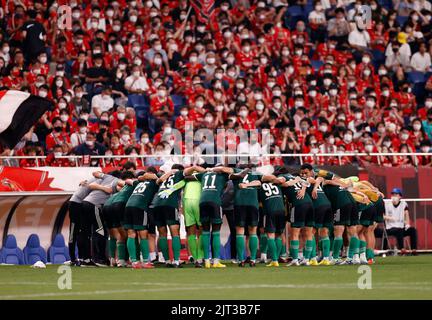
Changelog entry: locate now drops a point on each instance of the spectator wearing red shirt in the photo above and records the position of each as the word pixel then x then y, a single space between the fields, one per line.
pixel 57 136
pixel 161 106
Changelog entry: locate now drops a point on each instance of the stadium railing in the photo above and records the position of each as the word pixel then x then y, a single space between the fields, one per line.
pixel 13 161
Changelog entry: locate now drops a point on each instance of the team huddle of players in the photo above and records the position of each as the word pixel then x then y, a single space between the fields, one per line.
pixel 315 205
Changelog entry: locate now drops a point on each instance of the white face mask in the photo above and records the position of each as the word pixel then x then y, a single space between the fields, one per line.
pixel 145 140
pixel 199 104
pixel 167 130
pixel 417 126
pixel 83 130
pixel 428 103
pixel 331 141
pixel 323 128
pixel 43 94
pixel 348 138
pixel 136 74
pixel 259 107
pixel 64 117
pixel 369 148
pixel 395 199
pixel 121 116
pixel 158 61
pixel 243 113
pixel 184 113
pixel 425 149
pixel 125 137
pixel 327 82
pixel 62 105
pixel 404 136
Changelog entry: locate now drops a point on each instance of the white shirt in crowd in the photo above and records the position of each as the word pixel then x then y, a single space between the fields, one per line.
pixel 77 138
pixel 359 38
pixel 397 213
pixel 421 62
pixel 254 149
pixel 422 4
pixel 133 83
pixel 317 16
pixel 402 57
pixel 103 103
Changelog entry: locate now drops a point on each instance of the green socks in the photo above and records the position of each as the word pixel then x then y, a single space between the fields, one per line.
pixel 200 250
pixel 192 243
pixel 272 249
pixel 362 246
pixel 307 251
pixel 112 245
pixel 370 253
pixel 163 246
pixel 176 246
pixel 263 243
pixel 121 250
pixel 205 240
pixel 325 243
pixel 294 248
pixel 279 246
pixel 240 246
pixel 253 246
pixel 216 244
pixel 353 247
pixel 144 249
pixel 131 247
pixel 337 246
pixel 314 247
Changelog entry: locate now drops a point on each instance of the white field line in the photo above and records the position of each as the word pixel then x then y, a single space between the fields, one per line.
pixel 211 287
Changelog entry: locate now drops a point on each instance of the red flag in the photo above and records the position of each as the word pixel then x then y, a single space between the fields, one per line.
pixel 204 9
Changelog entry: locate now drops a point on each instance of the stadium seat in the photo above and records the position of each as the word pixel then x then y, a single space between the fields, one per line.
pixel 136 100
pixel 316 64
pixel 33 251
pixel 401 20
pixel 58 253
pixel 295 11
pixel 416 77
pixel 10 253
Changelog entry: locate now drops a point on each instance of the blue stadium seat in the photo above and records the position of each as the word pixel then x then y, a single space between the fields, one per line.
pixel 33 251
pixel 136 100
pixel 178 100
pixel 401 20
pixel 316 64
pixel 10 252
pixel 58 253
pixel 416 77
pixel 295 11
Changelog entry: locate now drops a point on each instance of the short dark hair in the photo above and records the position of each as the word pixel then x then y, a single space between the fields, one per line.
pixel 151 169
pixel 306 166
pixel 177 166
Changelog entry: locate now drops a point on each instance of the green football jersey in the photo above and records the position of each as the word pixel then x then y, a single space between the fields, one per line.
pixel 173 199
pixel 321 200
pixel 143 194
pixel 271 197
pixel 212 186
pixel 124 194
pixel 291 192
pixel 364 206
pixel 337 196
pixel 248 196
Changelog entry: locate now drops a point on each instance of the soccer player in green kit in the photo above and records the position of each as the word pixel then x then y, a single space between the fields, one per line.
pixel 345 216
pixel 246 184
pixel 273 206
pixel 137 217
pixel 213 183
pixel 166 212
pixel 322 212
pixel 301 215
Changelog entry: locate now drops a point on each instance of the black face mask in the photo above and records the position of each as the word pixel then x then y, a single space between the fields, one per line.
pixel 102 130
pixel 58 129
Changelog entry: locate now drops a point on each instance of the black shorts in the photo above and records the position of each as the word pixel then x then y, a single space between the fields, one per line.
pixel 302 215
pixel 347 215
pixel 136 219
pixel 151 223
pixel 114 214
pixel 323 217
pixel 379 211
pixel 166 216
pixel 261 218
pixel 246 216
pixel 274 222
pixel 210 213
pixel 366 216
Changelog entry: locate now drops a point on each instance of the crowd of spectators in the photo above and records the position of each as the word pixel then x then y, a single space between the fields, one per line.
pixel 124 73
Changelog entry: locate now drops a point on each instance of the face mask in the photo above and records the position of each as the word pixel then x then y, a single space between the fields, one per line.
pixel 76 15
pixel 367 72
pixel 270 84
pixel 323 128
pixel 62 105
pixel 209 119
pixel 158 47
pixel 43 94
pixel 366 60
pixel 369 148
pixel 240 86
pixel 348 138
pixel 277 93
pixel 94 25
pixel 327 82
pixel 243 113
pixel 277 105
pixel 331 141
pixel 84 116
pixel 314 150
pixel 64 117
pixel 259 107
pixel 58 129
pixel 312 93
pixel 43 60
pixel 230 60
pixel 370 103
pixel 121 116
pixel 161 93
pixel 199 104
pixel 395 199
pixel 184 113
pixel 136 74
pixel 83 130
pixel 158 61
pixel 386 93
pixel 104 119
pixel 218 75
pixel 417 126
pixel 382 72
pixel 298 103
pixel 193 59
pixel 217 95
pixel 59 83
pixel 125 137
pixel 145 140
pixel 404 136
pixel 133 19
pixel 211 60
pixel 167 130
pixel 425 149
pixel 116 28
pixel 387 144
pixel 257 96
pixel 90 143
pixel 333 92
pixel 428 103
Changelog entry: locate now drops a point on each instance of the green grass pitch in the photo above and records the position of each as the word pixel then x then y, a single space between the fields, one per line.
pixel 392 278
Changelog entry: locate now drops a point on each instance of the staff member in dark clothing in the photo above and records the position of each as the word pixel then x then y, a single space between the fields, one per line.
pixel 34 35
pixel 228 211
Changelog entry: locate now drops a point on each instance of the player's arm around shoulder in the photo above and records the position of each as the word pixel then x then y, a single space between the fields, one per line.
pixel 240 175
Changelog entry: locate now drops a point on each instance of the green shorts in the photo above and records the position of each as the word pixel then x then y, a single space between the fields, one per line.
pixel 191 211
